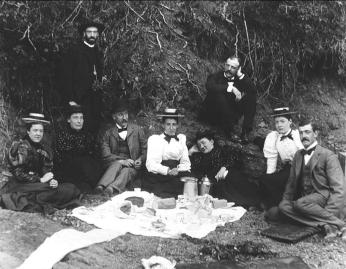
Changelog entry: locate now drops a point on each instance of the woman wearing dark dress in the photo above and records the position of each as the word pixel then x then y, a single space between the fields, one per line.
pixel 167 159
pixel 33 187
pixel 74 161
pixel 227 182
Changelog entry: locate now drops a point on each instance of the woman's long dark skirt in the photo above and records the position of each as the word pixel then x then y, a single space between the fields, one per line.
pixel 84 172
pixel 34 197
pixel 164 186
pixel 237 188
pixel 272 186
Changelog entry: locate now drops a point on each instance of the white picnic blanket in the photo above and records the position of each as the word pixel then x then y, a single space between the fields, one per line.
pixel 194 221
pixel 180 220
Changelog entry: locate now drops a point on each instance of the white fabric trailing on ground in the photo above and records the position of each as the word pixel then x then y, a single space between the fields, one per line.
pixel 195 219
pixel 55 247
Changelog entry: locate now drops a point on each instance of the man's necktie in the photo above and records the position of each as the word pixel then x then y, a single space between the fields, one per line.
pixel 122 130
pixel 169 137
pixel 289 135
pixel 308 152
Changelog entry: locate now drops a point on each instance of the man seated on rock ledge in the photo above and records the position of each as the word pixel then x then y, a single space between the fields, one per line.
pixel 230 94
pixel 123 151
pixel 316 188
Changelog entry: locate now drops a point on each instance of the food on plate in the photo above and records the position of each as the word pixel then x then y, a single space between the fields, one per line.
pixel 158 224
pixel 138 201
pixel 219 203
pixel 167 203
pixel 126 207
pixel 150 211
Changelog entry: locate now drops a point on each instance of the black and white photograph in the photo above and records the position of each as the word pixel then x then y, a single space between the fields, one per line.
pixel 172 134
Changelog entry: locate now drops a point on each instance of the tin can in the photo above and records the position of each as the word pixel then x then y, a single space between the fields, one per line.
pixel 190 187
pixel 204 186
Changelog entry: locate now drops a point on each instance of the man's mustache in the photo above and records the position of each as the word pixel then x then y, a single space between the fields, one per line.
pixel 305 139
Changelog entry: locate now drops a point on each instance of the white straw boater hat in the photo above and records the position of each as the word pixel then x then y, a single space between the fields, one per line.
pixel 35 117
pixel 170 113
pixel 282 111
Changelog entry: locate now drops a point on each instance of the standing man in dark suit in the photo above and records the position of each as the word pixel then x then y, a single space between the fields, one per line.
pixel 230 94
pixel 316 189
pixel 79 69
pixel 123 151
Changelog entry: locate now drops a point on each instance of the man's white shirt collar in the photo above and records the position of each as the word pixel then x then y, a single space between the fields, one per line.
pixel 312 145
pixel 89 45
pixel 122 134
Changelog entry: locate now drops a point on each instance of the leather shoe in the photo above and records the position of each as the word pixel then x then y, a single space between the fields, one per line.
pixel 244 138
pixel 108 191
pixel 99 190
pixel 331 231
pixel 234 138
pixel 343 234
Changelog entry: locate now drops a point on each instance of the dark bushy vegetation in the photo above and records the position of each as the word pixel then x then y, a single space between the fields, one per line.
pixel 159 52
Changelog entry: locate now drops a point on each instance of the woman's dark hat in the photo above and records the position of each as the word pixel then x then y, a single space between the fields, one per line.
pixel 36 118
pixel 119 105
pixel 72 109
pixel 170 113
pixel 282 111
pixel 86 24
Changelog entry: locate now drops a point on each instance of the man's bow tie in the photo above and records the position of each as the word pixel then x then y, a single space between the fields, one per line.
pixel 122 130
pixel 169 137
pixel 287 136
pixel 308 152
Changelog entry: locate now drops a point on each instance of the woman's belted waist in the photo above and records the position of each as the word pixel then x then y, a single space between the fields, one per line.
pixel 170 163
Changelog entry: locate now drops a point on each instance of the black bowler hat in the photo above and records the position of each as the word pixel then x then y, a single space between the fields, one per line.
pixel 170 113
pixel 282 112
pixel 120 105
pixel 86 24
pixel 36 118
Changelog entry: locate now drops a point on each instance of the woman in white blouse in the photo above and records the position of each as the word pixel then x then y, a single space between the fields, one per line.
pixel 281 145
pixel 167 158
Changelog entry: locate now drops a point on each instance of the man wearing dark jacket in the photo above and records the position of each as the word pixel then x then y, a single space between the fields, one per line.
pixel 230 94
pixel 80 68
pixel 315 193
pixel 123 152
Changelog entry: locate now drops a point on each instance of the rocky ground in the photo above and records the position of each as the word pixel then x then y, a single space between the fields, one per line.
pixel 238 242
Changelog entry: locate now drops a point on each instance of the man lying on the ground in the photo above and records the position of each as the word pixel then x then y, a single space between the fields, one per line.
pixel 316 188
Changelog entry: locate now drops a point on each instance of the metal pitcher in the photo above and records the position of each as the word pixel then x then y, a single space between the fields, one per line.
pixel 190 186
pixel 204 186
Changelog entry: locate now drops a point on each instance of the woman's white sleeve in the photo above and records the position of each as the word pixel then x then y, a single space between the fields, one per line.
pixel 185 164
pixel 154 156
pixel 270 152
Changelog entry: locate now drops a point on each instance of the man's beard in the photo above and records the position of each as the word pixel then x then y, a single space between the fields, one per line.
pixel 90 40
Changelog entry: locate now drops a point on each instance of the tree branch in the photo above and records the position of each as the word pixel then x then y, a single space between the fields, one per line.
pixel 134 11
pixel 248 41
pixel 157 38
